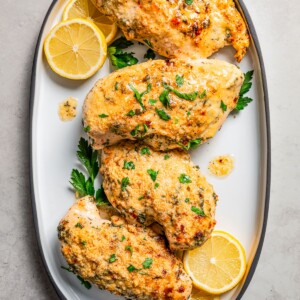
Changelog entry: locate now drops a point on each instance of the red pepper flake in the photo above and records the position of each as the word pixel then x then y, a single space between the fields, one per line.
pixel 168 291
pixel 181 289
pixel 175 21
pixel 181 227
pixel 148 123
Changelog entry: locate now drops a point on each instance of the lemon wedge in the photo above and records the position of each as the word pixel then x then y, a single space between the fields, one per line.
pixel 87 10
pixel 75 49
pixel 218 265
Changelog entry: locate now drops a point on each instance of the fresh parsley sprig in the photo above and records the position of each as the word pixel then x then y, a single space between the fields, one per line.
pixel 118 57
pixel 82 185
pixel 246 86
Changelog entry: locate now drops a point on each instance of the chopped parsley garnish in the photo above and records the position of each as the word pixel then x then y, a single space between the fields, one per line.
pixel 223 106
pixel 179 80
pixel 198 211
pixel 131 113
pixel 112 258
pixel 192 144
pixel 79 225
pixel 187 200
pixel 153 174
pixel 167 156
pixel 116 86
pixel 188 2
pixel 152 101
pixel 186 96
pixel 102 116
pixel 147 263
pixel 130 249
pixel 145 150
pixel 149 54
pixel 148 43
pixel 188 113
pixel 124 183
pixel 162 114
pixel 83 243
pixel 87 129
pixel 71 269
pixel 164 98
pixel 137 131
pixel 101 198
pixel 156 185
pixel 123 238
pixel 202 95
pixel 119 58
pixel 183 178
pixel 141 198
pixel 247 84
pixel 138 96
pixel 132 268
pixel 128 165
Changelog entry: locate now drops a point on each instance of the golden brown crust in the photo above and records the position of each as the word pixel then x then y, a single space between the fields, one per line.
pixel 164 197
pixel 176 29
pixel 200 118
pixel 89 246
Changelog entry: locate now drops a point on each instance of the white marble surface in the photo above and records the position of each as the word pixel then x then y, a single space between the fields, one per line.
pixel 278 273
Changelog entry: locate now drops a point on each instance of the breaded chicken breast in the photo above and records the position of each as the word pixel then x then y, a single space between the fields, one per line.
pixel 166 187
pixel 124 259
pixel 185 29
pixel 168 104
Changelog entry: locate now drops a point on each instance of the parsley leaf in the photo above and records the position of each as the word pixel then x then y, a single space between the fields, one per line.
pixel 131 113
pixel 223 106
pixel 164 98
pixel 183 178
pixel 81 185
pixel 202 95
pixel 156 185
pixel 121 59
pixel 188 2
pixel 128 165
pixel 121 43
pixel 179 80
pixel 129 248
pixel 85 283
pixel 162 114
pixel 116 86
pixel 123 238
pixel 186 96
pixel 112 258
pixel 124 183
pixel 148 43
pixel 88 157
pixel 145 150
pixel 138 96
pixel 101 198
pixel 79 225
pixel 198 211
pixel 137 131
pixel 147 263
pixel 152 101
pixel 132 268
pixel 102 116
pixel 167 156
pixel 246 86
pixel 87 128
pixel 243 102
pixel 192 144
pixel 149 54
pixel 153 174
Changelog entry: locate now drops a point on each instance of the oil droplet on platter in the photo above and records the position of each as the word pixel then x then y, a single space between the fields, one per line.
pixel 221 165
pixel 67 109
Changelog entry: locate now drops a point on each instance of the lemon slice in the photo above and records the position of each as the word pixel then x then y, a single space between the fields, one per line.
pixel 86 9
pixel 218 265
pixel 200 295
pixel 75 49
